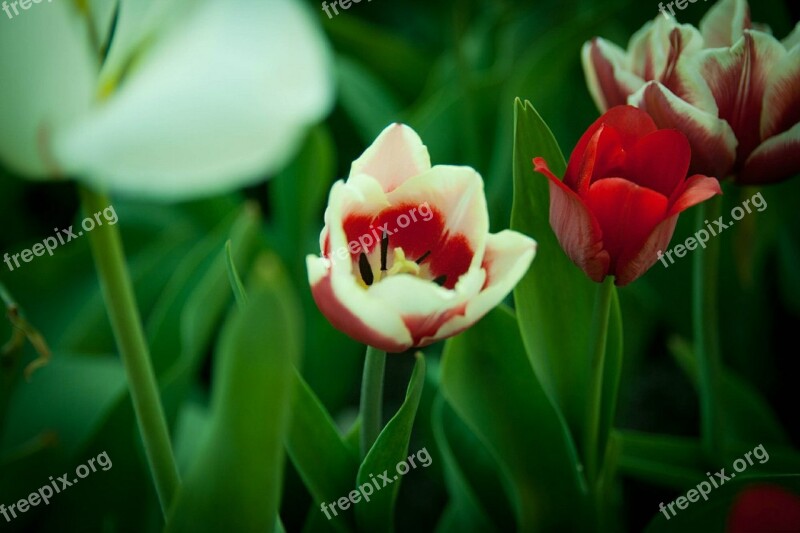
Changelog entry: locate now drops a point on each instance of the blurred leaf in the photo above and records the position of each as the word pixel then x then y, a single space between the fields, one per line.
pixel 233 276
pixel 611 373
pixel 747 415
pixel 488 380
pixel 666 460
pixel 555 336
pixel 478 499
pixel 390 449
pixel 369 104
pixel 324 461
pixel 237 477
pixel 297 199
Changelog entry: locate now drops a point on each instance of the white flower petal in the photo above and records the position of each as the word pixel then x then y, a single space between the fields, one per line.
pixel 508 256
pixel 396 155
pixel 213 105
pixel 48 73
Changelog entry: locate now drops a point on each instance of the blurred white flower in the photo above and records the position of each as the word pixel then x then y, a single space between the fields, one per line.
pixel 193 98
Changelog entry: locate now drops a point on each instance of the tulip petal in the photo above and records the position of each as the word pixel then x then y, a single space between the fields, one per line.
pixel 508 257
pixel 608 76
pixel 782 96
pixel 626 213
pixel 724 23
pixel 629 123
pixel 712 140
pixel 737 77
pixel 696 189
pixel 793 39
pixel 213 105
pixel 632 265
pixel 395 156
pixel 578 231
pixel 775 159
pixel 455 196
pixel 350 309
pixel 48 79
pixel 659 161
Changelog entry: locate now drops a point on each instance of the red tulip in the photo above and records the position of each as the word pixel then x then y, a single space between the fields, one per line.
pixel 624 187
pixel 764 508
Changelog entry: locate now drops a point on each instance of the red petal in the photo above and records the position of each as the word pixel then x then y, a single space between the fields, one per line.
pixel 694 190
pixel 629 122
pixel 632 265
pixel 344 320
pixel 577 230
pixel 416 238
pixel 627 214
pixel 659 161
pixel 764 508
pixel 451 259
pixel 604 156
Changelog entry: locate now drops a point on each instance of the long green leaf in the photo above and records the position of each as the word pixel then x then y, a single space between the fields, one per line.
pixel 489 381
pixel 236 480
pixel 390 449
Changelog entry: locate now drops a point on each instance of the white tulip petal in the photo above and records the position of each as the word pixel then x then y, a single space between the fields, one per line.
pixel 214 104
pixel 48 72
pixel 396 155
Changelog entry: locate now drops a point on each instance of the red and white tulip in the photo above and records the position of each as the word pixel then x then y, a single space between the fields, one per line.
pixel 407 258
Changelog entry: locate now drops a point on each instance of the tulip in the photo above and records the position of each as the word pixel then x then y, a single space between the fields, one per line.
pixel 406 254
pixel 764 508
pixel 623 190
pixel 734 91
pixel 178 101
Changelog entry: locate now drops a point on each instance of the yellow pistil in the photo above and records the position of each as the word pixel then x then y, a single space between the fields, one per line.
pixel 401 265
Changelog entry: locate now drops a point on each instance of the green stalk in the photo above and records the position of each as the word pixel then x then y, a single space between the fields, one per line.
pixel 371 407
pixel 598 340
pixel 121 306
pixel 706 330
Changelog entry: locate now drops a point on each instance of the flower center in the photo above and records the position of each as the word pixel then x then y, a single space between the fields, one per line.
pixel 400 265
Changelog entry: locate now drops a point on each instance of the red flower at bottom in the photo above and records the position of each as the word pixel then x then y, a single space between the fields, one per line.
pixel 763 508
pixel 624 187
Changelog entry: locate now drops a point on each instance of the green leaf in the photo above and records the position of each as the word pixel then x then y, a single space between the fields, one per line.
pixel 233 276
pixel 317 450
pixel 661 459
pixel 390 449
pixel 237 475
pixel 478 499
pixel 488 380
pixel 365 99
pixel 555 336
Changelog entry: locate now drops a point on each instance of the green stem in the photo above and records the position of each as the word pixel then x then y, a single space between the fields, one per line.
pixel 598 341
pixel 706 330
pixel 121 306
pixel 372 398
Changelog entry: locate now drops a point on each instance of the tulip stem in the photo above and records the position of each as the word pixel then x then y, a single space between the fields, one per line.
pixel 598 341
pixel 120 302
pixel 372 398
pixel 706 330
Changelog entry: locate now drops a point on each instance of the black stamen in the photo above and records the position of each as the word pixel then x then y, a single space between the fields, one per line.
pixel 440 280
pixel 365 269
pixel 384 250
pixel 423 257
